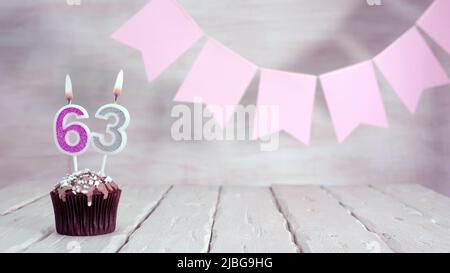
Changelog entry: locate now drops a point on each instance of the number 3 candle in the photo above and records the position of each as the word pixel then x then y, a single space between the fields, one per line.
pixel 63 130
pixel 116 129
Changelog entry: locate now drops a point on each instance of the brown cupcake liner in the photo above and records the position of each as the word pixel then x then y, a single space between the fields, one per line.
pixel 75 218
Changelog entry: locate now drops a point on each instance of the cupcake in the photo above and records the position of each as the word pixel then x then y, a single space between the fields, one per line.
pixel 85 204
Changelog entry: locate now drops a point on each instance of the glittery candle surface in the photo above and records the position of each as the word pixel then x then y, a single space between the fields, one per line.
pixel 61 131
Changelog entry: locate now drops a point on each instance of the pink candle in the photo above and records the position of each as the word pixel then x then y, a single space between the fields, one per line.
pixel 62 129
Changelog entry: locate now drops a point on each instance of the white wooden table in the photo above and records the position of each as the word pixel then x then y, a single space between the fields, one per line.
pixel 160 218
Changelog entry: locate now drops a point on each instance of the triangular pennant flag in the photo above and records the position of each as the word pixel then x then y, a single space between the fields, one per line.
pixel 293 94
pixel 410 67
pixel 353 98
pixel 162 31
pixel 219 77
pixel 436 22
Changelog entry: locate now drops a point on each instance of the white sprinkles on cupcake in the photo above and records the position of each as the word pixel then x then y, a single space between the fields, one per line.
pixel 85 182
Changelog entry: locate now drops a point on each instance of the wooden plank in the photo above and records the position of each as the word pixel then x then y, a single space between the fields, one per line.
pixel 22 228
pixel 136 203
pixel 403 228
pixel 18 195
pixel 430 203
pixel 320 224
pixel 181 223
pixel 247 220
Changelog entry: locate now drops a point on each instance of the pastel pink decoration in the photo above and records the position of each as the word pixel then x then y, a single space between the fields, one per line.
pixel 162 31
pixel 218 78
pixel 353 98
pixel 436 22
pixel 410 67
pixel 294 95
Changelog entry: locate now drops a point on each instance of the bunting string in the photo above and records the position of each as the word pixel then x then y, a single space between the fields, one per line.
pixel 163 31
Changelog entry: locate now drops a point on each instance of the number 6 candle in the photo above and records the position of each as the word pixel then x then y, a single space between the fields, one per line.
pixel 62 130
pixel 116 129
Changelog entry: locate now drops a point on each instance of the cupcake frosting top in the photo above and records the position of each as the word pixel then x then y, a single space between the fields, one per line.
pixel 85 182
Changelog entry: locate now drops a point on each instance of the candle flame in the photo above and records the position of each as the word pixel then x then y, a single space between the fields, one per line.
pixel 68 89
pixel 118 86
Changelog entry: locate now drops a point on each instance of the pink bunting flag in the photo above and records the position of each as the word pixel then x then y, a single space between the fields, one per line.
pixel 436 22
pixel 293 94
pixel 410 67
pixel 353 98
pixel 162 31
pixel 219 77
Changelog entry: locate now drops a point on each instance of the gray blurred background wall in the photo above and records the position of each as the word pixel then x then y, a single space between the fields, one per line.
pixel 41 41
